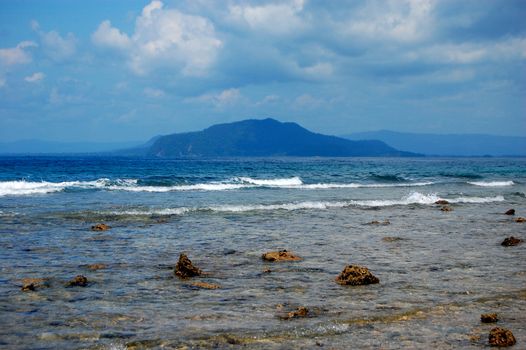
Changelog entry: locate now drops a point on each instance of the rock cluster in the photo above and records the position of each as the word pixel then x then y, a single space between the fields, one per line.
pixel 185 269
pixel 520 219
pixel 501 337
pixel 281 255
pixel 488 318
pixel 354 275
pixel 301 311
pixel 78 281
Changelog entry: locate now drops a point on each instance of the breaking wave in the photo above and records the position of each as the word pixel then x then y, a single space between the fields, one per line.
pixel 492 183
pixel 413 198
pixel 22 187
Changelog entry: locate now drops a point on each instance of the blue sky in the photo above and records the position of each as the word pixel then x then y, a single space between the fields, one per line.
pixel 128 70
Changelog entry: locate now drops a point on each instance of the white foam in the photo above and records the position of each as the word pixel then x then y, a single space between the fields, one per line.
pixel 477 199
pixel 492 183
pixel 285 182
pixel 17 188
pixel 357 185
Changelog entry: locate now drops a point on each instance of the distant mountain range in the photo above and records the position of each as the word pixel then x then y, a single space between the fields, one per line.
pixel 448 145
pixel 262 138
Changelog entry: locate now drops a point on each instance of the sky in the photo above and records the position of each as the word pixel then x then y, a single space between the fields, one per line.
pixel 121 70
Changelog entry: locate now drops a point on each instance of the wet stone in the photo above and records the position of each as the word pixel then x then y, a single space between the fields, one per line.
pixel 488 318
pixel 446 208
pixel 520 219
pixel 185 269
pixel 78 281
pixel 392 239
pixel 282 255
pixel 32 284
pixel 376 222
pixel 96 267
pixel 301 311
pixel 442 202
pixel 510 212
pixel 501 337
pixel 511 241
pixel 100 227
pixel 205 285
pixel 354 275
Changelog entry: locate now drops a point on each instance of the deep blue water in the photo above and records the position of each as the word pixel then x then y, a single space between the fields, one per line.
pixel 224 213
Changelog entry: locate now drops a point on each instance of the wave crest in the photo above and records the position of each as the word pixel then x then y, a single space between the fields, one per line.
pixel 491 183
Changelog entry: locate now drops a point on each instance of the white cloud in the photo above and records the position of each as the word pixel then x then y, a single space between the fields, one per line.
pixel 108 36
pixel 154 93
pixel 220 99
pixel 280 18
pixel 307 101
pixel 17 55
pixel 2 82
pixel 319 70
pixel 35 77
pixel 400 20
pixel 164 38
pixel 56 47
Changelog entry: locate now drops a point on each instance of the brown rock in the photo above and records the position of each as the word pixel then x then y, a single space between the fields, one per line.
pixel 442 202
pixel 501 337
pixel 185 269
pixel 488 318
pixel 301 311
pixel 78 281
pixel 95 267
pixel 510 212
pixel 392 239
pixel 520 219
pixel 446 208
pixel 205 285
pixel 511 241
pixel 100 227
pixel 354 275
pixel 32 284
pixel 267 271
pixel 281 255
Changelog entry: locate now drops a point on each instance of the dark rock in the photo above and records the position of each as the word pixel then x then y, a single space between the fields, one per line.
pixel 281 255
pixel 520 219
pixel 100 227
pixel 488 318
pixel 501 337
pixel 376 222
pixel 78 281
pixel 511 241
pixel 301 311
pixel 354 275
pixel 32 284
pixel 442 202
pixel 446 208
pixel 185 269
pixel 510 212
pixel 392 239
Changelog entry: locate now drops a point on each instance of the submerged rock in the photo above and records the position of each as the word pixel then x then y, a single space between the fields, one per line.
pixel 520 219
pixel 376 222
pixel 78 281
pixel 281 255
pixel 392 239
pixel 96 267
pixel 100 227
pixel 488 318
pixel 501 337
pixel 32 284
pixel 354 275
pixel 205 285
pixel 511 241
pixel 185 269
pixel 446 208
pixel 442 202
pixel 301 311
pixel 510 212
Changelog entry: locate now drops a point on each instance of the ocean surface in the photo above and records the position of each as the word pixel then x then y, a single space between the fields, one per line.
pixel 438 270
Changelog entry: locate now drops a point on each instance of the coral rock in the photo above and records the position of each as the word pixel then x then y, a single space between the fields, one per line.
pixel 281 255
pixel 78 281
pixel 488 318
pixel 185 269
pixel 501 337
pixel 356 275
pixel 100 227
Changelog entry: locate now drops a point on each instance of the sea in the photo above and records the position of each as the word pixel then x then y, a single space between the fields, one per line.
pixel 439 269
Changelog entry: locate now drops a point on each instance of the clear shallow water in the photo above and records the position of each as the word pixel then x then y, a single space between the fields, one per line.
pixel 445 270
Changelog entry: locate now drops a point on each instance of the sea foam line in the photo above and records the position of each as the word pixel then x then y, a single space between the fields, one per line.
pixel 413 198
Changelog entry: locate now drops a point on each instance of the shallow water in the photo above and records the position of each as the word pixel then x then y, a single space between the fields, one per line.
pixel 438 270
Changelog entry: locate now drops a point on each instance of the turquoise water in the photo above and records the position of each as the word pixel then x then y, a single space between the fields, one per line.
pixel 438 270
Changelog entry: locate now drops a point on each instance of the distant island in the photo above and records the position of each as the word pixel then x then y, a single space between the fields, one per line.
pixel 261 138
pixel 459 145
